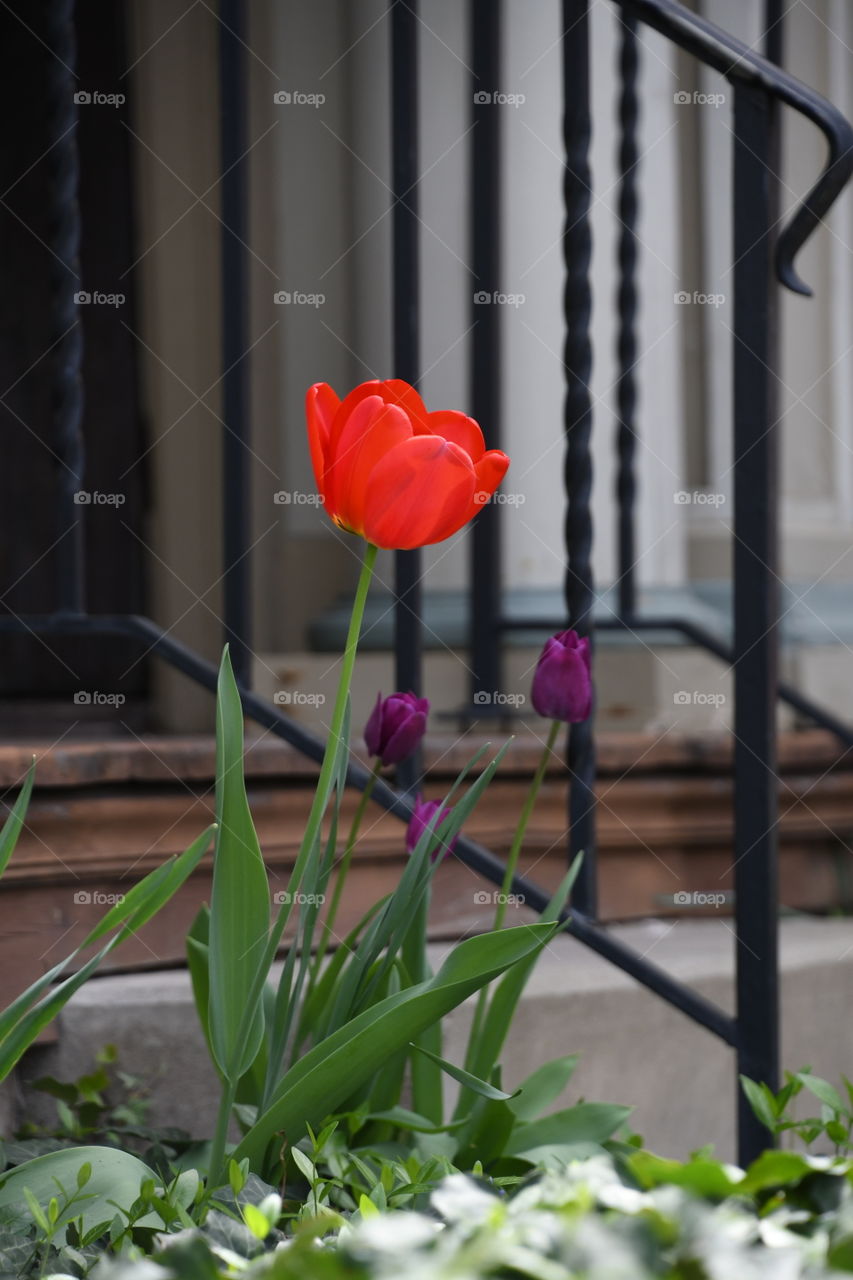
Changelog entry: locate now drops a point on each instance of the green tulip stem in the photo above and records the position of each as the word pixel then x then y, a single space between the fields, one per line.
pixel 217 1170
pixel 524 818
pixel 511 868
pixel 321 795
pixel 343 865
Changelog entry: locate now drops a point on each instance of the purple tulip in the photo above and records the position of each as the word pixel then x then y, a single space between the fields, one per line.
pixel 396 725
pixel 423 815
pixel 562 682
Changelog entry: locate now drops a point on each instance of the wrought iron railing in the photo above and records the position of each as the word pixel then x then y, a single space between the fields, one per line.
pixel 759 87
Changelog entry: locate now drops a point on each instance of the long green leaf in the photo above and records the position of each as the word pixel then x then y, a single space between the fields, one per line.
pixel 14 822
pixel 32 1010
pixel 329 1073
pixel 35 1019
pixel 504 1001
pixel 585 1122
pixel 240 898
pixel 150 894
pixel 543 1086
pixel 480 1087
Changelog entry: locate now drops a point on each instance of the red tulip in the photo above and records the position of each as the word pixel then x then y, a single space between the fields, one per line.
pixel 562 683
pixel 393 473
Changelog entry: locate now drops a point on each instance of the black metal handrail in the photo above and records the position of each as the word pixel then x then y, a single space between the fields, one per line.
pixel 759 85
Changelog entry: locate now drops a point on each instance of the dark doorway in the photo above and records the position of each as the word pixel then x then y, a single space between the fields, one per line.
pixel 39 677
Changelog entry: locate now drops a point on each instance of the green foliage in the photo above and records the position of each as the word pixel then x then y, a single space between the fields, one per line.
pixel 26 1016
pixel 603 1218
pixel 831 1129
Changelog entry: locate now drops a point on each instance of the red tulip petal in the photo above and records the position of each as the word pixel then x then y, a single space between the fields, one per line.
pixel 355 424
pixel 373 430
pixel 399 392
pixel 418 494
pixel 490 470
pixel 461 430
pixel 349 403
pixel 321 404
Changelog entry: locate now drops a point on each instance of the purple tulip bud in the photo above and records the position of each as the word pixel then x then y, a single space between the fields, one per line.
pixel 562 683
pixel 423 815
pixel 396 725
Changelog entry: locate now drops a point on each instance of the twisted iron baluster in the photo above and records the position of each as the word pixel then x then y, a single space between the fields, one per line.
pixel 67 352
pixel 577 356
pixel 626 387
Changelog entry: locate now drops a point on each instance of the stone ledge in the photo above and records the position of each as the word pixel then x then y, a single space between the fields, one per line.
pixel 634 1048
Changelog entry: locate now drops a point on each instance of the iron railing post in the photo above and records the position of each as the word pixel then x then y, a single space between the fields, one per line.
pixel 626 300
pixel 485 570
pixel 755 606
pixel 408 630
pixel 577 358
pixel 63 160
pixel 236 512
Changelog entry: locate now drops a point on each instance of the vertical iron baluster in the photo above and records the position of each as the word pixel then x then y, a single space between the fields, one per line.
pixel 67 352
pixel 236 580
pixel 485 563
pixel 626 386
pixel 408 636
pixel 577 356
pixel 755 606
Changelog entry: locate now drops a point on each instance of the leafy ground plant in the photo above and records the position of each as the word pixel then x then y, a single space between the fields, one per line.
pixel 832 1128
pixel 626 1217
